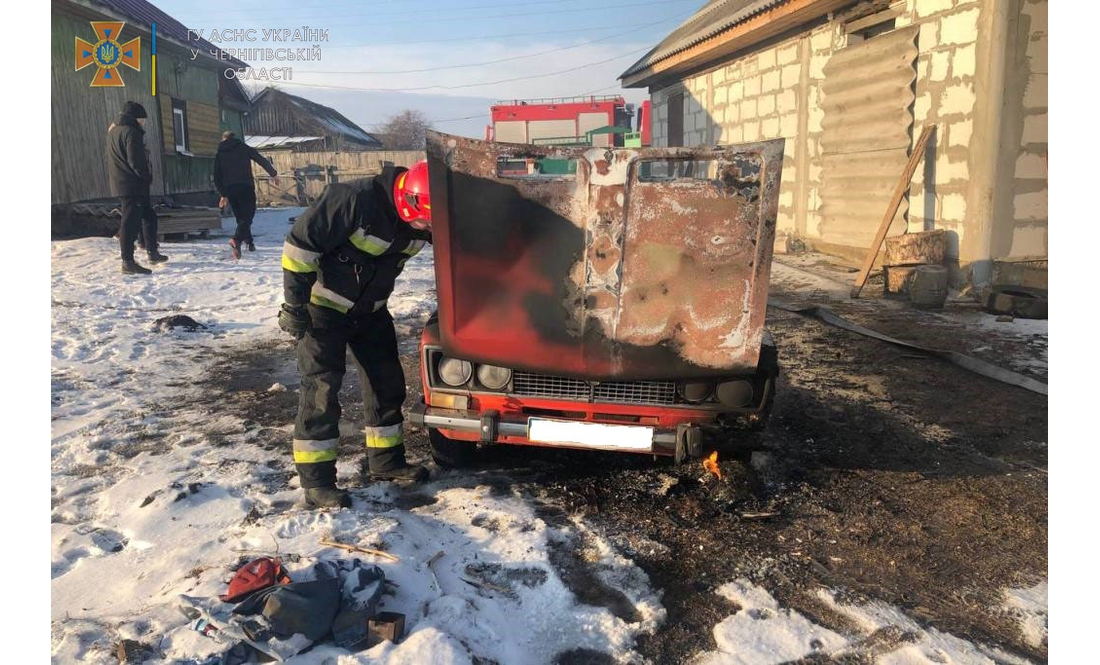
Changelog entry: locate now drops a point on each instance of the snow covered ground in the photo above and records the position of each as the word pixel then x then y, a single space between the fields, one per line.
pixel 156 494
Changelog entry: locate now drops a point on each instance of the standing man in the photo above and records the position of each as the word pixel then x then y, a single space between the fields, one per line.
pixel 233 178
pixel 130 177
pixel 340 261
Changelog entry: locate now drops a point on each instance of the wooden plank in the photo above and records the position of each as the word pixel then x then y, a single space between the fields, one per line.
pixel 892 208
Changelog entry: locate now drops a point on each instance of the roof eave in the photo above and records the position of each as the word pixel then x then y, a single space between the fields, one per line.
pixel 737 37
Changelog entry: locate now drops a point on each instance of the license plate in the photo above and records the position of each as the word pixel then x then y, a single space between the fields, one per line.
pixel 590 435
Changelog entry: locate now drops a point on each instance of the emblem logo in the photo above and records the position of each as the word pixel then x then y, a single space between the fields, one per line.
pixel 107 54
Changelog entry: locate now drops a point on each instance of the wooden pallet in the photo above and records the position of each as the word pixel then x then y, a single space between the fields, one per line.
pixel 182 221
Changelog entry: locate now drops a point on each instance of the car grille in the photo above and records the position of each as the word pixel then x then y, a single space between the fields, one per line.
pixel 617 392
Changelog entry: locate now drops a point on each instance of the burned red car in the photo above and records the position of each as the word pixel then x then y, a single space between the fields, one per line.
pixel 602 298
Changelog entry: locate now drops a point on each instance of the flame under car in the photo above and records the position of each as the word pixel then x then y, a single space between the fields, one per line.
pixel 608 299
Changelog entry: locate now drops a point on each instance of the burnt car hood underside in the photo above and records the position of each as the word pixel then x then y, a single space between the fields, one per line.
pixel 607 274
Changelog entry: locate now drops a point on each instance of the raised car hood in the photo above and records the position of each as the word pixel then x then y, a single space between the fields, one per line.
pixel 612 273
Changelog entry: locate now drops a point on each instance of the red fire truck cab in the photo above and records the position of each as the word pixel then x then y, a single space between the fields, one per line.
pixel 617 304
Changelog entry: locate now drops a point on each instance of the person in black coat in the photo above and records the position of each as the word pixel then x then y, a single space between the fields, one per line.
pixel 130 176
pixel 233 179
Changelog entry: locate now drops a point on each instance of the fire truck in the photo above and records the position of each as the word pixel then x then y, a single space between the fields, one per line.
pixel 598 121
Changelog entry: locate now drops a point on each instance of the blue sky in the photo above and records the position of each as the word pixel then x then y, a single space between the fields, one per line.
pixel 368 40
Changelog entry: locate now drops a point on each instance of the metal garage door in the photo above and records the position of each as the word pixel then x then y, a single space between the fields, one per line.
pixel 867 101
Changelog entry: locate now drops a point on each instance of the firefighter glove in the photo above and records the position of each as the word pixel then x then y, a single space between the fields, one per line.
pixel 294 319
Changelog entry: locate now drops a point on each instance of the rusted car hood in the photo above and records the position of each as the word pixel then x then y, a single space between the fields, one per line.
pixel 613 273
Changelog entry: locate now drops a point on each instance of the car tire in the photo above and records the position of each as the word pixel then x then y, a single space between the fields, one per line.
pixel 451 453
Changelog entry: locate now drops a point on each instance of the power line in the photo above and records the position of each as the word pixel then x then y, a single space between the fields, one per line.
pixel 469 85
pixel 499 60
pixel 539 33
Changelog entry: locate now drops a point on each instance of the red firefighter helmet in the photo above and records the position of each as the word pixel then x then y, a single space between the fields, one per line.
pixel 410 196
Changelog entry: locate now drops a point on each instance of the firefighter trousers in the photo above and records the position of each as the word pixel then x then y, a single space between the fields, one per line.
pixel 322 364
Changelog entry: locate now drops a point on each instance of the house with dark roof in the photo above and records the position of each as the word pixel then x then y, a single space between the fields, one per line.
pixel 280 121
pixel 849 86
pixel 188 98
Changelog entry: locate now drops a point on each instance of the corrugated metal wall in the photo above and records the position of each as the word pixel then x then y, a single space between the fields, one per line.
pixel 867 131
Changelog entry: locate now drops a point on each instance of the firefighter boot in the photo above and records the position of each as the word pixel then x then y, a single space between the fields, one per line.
pixel 326 497
pixel 319 486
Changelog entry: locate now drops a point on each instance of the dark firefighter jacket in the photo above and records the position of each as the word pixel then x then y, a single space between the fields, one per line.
pixel 233 164
pixel 127 163
pixel 347 249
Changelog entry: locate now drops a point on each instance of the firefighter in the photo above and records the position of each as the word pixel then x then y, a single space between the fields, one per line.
pixel 340 261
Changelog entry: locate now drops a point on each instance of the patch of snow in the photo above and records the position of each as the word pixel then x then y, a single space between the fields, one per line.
pixel 761 631
pixel 1029 607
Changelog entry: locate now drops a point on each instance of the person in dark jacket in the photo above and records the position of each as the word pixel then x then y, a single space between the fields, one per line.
pixel 340 261
pixel 130 176
pixel 233 179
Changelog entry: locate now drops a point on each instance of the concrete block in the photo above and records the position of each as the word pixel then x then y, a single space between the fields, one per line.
pixel 1035 129
pixel 718 76
pixel 787 54
pixel 770 82
pixel 735 134
pixel 751 130
pixel 736 70
pixel 786 101
pixel 721 95
pixel 765 60
pixel 791 76
pixel 814 173
pixel 922 106
pixel 959 133
pixel 959 27
pixel 750 67
pixel 950 170
pixel 939 66
pixel 736 91
pixel 928 7
pixel 1029 240
pixel 1031 205
pixel 963 62
pixel 788 125
pixel 752 86
pixel 766 105
pixel 786 198
pixel 822 40
pixel 1036 13
pixel 1030 166
pixel 817 65
pixel 1037 54
pixel 957 99
pixel 748 109
pixel 929 36
pixel 769 128
pixel 732 113
pixel 1035 94
pixel 954 207
pixel 814 119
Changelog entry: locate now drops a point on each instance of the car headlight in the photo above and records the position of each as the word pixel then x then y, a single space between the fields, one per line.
pixel 455 372
pixel 493 377
pixel 696 391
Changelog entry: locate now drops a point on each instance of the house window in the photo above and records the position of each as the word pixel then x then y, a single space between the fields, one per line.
pixel 676 120
pixel 179 124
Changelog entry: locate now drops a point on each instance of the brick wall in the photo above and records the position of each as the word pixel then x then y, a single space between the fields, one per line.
pixel 776 92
